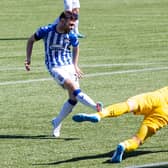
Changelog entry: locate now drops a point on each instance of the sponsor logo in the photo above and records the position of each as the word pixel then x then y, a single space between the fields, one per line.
pixel 56 47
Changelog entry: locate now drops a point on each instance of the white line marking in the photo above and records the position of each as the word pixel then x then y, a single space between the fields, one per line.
pixel 24 81
pixel 127 71
pixel 85 66
pixel 87 75
pixel 152 165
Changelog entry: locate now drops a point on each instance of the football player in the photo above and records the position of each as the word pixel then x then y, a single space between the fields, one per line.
pixel 152 105
pixel 61 59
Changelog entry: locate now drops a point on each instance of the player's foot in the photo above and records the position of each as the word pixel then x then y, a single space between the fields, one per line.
pixel 80 35
pixel 86 117
pixel 56 128
pixel 99 106
pixel 117 156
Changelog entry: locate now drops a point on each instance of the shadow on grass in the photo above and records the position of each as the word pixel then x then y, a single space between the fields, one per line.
pixel 103 155
pixel 137 153
pixel 34 137
pixel 14 38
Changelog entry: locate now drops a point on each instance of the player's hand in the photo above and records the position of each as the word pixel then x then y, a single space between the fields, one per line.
pixel 79 73
pixel 27 65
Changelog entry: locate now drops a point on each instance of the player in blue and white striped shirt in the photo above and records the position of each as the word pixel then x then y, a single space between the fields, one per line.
pixel 62 63
pixel 57 46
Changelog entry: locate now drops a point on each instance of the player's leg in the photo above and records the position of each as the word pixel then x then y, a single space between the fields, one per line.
pixel 132 143
pixel 75 9
pixel 115 110
pixel 131 105
pixel 68 5
pixel 110 111
pixel 76 29
pixel 66 78
pixel 153 120
pixel 85 99
pixel 66 109
pixel 75 93
pixel 59 74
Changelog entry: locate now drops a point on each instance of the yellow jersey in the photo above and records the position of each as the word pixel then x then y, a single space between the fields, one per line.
pixel 154 107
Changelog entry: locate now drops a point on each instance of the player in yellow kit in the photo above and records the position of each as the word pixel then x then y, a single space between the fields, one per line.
pixel 154 107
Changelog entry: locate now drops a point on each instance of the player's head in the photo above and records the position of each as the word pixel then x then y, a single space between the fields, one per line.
pixel 68 20
pixel 68 15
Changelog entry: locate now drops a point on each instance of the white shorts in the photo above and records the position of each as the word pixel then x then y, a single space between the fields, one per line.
pixel 60 74
pixel 71 4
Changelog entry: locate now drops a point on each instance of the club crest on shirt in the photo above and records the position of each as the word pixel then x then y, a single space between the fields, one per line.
pixel 59 46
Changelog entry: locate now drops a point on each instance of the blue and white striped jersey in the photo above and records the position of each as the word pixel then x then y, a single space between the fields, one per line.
pixel 57 46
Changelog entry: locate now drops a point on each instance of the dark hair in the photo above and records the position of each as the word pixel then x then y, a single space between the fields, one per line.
pixel 68 15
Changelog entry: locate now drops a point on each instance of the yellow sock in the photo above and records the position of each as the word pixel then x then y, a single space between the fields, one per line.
pixel 131 144
pixel 114 110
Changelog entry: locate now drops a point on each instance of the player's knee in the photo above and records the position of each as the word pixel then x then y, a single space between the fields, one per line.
pixel 72 102
pixel 133 106
pixel 69 85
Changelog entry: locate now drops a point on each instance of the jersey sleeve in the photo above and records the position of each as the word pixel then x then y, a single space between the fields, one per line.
pixel 73 39
pixel 42 32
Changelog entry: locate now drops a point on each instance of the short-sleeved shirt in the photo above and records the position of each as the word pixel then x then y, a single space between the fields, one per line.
pixel 57 46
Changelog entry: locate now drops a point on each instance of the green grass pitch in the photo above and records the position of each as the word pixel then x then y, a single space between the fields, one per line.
pixel 124 53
